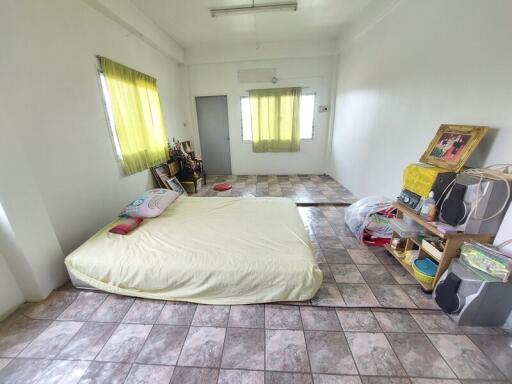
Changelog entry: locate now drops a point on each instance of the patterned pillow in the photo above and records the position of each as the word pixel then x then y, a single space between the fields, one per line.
pixel 151 204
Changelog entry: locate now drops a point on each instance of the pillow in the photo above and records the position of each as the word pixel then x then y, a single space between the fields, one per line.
pixel 125 225
pixel 151 204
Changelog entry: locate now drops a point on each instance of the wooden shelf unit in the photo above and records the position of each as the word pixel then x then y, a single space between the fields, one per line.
pixel 453 242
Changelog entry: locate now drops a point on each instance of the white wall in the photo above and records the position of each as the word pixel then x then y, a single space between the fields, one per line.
pixel 425 63
pixel 58 141
pixel 10 293
pixel 315 74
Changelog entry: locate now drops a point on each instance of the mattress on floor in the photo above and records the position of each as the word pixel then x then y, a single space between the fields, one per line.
pixel 212 250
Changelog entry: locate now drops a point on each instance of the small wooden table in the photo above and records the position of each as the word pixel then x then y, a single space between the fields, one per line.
pixel 451 250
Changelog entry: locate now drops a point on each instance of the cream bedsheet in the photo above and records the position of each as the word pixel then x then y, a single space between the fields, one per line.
pixel 213 250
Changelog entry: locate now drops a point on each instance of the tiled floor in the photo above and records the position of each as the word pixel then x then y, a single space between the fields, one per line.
pixel 122 340
pixel 92 337
pixel 299 188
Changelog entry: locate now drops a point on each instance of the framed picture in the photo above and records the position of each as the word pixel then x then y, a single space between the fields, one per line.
pixel 452 146
pixel 175 185
pixel 161 174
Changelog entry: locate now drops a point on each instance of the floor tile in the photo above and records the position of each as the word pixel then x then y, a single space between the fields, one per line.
pixel 376 274
pixel 105 373
pixel 400 274
pixel 184 375
pixel 49 343
pixel 331 242
pixel 244 348
pixel 4 362
pixel 337 256
pixel 144 311
pixel 416 380
pixel 358 295
pixel 435 322
pixel 357 320
pixel 350 242
pixel 234 376
pixel 282 317
pixel 373 354
pixel 498 349
pixel 420 298
pixel 396 321
pixel 177 314
pixel 211 315
pixel 285 350
pixel 464 357
pixel 52 306
pixel 88 341
pixel 384 380
pixel 335 379
pixel 287 378
pixel 469 330
pixel 319 319
pixel 203 347
pixel 346 273
pixel 20 333
pixel 328 296
pixel 125 343
pixel 83 307
pixel 247 316
pixel 363 256
pixel 149 374
pixel 113 309
pixel 329 353
pixel 418 357
pixel 163 345
pixel 383 255
pixel 63 372
pixel 23 371
pixel 328 277
pixel 392 296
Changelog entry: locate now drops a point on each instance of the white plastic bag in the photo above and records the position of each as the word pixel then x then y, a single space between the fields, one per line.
pixel 362 217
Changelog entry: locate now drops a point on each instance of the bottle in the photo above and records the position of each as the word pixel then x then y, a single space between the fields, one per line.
pixel 428 208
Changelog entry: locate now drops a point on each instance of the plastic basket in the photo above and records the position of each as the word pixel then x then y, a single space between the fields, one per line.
pixel 422 277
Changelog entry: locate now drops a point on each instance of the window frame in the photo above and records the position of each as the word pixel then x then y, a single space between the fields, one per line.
pixel 301 139
pixel 109 115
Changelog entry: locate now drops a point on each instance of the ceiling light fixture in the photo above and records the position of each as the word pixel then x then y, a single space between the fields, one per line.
pixel 248 9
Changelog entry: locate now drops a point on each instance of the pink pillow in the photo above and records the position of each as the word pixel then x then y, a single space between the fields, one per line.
pixel 151 204
pixel 125 225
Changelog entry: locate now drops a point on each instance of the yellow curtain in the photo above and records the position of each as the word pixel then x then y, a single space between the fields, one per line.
pixel 137 114
pixel 275 119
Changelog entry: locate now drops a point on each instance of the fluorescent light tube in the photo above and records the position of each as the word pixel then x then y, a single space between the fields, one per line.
pixel 271 7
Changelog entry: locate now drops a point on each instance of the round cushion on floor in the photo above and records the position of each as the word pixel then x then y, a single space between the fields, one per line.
pixel 222 186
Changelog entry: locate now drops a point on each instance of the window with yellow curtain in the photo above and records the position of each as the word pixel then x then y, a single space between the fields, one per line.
pixel 133 105
pixel 275 119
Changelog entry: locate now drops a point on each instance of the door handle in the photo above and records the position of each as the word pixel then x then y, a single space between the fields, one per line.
pixel 227 138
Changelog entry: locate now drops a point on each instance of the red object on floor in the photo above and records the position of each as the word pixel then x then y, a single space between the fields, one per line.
pixel 222 187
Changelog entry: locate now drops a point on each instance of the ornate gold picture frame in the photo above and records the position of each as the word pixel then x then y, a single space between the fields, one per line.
pixel 452 146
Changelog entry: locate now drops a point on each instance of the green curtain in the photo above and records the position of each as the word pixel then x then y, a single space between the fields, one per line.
pixel 275 119
pixel 138 118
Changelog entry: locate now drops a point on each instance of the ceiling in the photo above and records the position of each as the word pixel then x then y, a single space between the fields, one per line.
pixel 190 24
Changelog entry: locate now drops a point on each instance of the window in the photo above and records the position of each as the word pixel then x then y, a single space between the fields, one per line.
pixel 307 112
pixel 134 115
pixel 110 116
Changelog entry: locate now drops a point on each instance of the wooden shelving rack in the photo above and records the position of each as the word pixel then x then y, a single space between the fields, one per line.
pixel 451 250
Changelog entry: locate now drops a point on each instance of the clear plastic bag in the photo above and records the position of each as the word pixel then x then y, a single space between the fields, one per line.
pixel 370 217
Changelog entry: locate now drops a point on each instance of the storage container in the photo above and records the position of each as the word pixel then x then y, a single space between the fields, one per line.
pixel 407 230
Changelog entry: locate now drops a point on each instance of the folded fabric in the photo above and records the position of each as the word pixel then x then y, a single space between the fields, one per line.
pixel 125 225
pixel 222 187
pixel 151 204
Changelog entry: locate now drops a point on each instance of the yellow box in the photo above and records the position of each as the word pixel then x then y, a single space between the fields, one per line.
pixel 419 178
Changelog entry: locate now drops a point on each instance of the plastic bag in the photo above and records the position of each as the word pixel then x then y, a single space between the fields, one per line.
pixel 369 219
